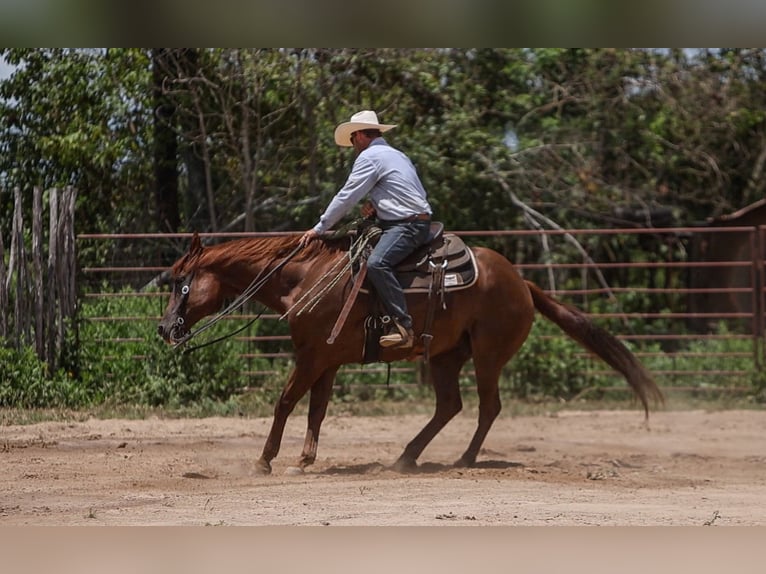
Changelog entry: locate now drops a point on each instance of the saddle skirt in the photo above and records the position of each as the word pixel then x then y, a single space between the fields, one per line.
pixel 446 251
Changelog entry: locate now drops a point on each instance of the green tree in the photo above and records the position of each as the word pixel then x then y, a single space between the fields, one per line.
pixel 80 118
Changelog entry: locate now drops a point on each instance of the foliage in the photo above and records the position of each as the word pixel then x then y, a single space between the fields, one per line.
pixel 722 351
pixel 548 364
pixel 80 118
pixel 121 364
pixel 25 382
pixel 586 137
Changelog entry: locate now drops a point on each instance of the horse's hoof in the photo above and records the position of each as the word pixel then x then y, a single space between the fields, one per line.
pixel 405 465
pixel 293 471
pixel 464 463
pixel 262 468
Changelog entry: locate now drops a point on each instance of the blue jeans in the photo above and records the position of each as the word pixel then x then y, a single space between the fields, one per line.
pixel 399 239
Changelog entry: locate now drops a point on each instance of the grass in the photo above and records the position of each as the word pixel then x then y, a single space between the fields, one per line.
pixel 250 405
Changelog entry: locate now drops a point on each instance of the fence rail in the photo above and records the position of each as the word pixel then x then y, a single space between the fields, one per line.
pixel 691 298
pixel 689 301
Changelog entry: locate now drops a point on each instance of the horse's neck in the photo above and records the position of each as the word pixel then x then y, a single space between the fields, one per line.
pixel 307 278
pixel 252 263
pixel 246 265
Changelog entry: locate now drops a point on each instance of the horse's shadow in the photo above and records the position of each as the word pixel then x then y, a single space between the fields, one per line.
pixel 423 468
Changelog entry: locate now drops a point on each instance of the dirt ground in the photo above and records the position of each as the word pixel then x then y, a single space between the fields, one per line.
pixel 571 468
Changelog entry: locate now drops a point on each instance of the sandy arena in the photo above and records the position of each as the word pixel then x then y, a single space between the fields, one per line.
pixel 690 468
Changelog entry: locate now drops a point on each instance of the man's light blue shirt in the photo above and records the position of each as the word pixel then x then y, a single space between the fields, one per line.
pixel 390 179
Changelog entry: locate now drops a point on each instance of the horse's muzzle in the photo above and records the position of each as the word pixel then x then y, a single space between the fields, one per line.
pixel 174 333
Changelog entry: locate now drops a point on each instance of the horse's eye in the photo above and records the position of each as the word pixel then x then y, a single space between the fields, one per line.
pixel 185 290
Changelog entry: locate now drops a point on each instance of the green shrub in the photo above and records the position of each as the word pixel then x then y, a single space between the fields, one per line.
pixel 26 383
pixel 549 363
pixel 125 362
pixel 723 352
pixel 120 361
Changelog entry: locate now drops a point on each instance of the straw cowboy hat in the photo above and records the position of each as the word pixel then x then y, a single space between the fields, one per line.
pixel 364 120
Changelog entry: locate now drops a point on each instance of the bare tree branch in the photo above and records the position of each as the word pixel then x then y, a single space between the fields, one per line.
pixel 536 218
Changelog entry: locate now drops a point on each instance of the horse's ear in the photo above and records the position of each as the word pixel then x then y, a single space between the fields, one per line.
pixel 196 245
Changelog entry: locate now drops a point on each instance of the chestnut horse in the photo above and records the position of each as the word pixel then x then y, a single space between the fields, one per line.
pixel 487 322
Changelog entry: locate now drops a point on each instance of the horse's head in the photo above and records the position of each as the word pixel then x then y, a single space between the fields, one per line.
pixel 196 293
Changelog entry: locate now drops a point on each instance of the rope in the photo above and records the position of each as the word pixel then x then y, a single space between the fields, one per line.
pixel 313 301
pixel 354 253
pixel 356 250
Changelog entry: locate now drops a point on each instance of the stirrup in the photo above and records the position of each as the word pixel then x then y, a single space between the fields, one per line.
pixel 401 337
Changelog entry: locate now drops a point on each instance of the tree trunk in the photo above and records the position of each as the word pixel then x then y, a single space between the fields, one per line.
pixel 165 147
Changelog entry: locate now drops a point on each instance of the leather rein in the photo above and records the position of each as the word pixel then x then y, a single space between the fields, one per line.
pixel 249 292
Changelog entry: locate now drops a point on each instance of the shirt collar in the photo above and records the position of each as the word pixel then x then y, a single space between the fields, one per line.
pixel 378 141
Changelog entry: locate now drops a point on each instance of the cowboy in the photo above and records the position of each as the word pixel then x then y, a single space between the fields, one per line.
pixel 396 198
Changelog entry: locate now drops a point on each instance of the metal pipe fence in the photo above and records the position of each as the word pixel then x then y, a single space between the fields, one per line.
pixel 696 320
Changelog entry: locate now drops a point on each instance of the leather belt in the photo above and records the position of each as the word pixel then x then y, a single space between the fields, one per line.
pixel 418 217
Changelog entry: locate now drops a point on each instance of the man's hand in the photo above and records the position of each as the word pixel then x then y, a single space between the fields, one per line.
pixel 307 237
pixel 367 210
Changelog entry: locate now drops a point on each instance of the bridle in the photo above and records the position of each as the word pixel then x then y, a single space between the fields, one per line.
pixel 180 321
pixel 249 292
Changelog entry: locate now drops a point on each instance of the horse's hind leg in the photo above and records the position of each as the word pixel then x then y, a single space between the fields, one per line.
pixel 444 372
pixel 489 407
pixel 488 360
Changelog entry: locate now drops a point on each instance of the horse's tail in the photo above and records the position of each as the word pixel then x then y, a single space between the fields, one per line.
pixel 599 342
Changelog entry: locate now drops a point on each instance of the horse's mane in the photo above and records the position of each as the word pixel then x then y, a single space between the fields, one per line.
pixel 324 249
pixel 273 247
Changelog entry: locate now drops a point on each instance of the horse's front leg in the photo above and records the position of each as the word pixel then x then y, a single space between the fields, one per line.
pixel 300 381
pixel 320 398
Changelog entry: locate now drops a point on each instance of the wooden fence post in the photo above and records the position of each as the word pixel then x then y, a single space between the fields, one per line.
pixel 51 307
pixel 69 303
pixel 38 300
pixel 37 271
pixel 21 307
pixel 3 292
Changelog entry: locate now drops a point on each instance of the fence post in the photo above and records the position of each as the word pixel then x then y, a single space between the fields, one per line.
pixel 71 256
pixel 3 292
pixel 52 265
pixel 66 271
pixel 41 314
pixel 37 270
pixel 759 286
pixel 18 260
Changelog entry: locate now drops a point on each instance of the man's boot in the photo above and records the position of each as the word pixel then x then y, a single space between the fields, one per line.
pixel 400 337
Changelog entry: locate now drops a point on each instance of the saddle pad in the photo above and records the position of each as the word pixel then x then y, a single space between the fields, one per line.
pixel 414 273
pixel 460 273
